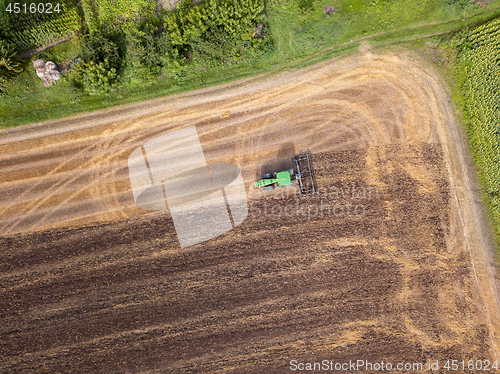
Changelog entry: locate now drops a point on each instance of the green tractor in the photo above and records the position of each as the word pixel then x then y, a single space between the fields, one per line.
pixel 280 179
pixel 301 173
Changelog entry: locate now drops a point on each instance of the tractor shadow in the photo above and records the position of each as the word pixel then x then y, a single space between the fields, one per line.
pixel 282 162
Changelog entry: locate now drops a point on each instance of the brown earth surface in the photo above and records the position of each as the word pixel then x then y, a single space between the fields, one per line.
pixel 405 273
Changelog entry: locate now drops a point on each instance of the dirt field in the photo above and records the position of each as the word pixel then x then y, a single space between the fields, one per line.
pixel 398 271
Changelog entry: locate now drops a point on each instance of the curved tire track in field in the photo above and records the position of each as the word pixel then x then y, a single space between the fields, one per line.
pixel 321 116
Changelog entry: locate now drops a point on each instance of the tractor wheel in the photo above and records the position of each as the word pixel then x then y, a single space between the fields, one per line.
pixel 267 176
pixel 268 188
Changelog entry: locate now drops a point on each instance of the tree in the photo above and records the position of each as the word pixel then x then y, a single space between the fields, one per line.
pixel 10 64
pixel 99 48
pixel 98 72
pixel 147 52
pixel 214 47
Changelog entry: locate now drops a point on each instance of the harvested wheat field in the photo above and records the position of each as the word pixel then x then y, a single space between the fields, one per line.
pixel 390 262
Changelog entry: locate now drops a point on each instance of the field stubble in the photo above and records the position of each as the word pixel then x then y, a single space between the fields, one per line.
pixel 410 279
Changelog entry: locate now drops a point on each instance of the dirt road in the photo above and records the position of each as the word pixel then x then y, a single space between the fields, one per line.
pixel 74 172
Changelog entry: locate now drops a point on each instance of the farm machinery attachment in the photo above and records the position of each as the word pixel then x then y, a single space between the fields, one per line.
pixel 301 175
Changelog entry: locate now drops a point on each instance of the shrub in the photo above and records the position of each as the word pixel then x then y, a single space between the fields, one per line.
pixel 97 79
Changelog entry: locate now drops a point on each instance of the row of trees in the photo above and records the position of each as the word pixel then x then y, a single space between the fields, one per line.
pixel 479 61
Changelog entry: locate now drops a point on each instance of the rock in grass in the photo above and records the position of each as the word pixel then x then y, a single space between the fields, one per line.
pixel 47 72
pixel 329 9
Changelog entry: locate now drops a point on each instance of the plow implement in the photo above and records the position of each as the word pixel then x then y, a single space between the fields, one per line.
pixel 304 174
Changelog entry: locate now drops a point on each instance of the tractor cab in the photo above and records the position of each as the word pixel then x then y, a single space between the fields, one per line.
pixel 280 179
pixel 285 178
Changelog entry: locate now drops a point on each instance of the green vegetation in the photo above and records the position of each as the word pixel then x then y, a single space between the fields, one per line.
pixel 478 72
pixel 235 17
pixel 31 24
pixel 214 48
pixel 299 28
pixel 114 17
pixel 97 72
pixel 98 49
pixel 63 52
pixel 10 64
pixel 215 32
pixel 215 41
pixel 147 54
pixel 128 45
pixel 97 78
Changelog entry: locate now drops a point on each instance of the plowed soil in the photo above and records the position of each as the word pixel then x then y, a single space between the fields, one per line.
pixel 390 261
